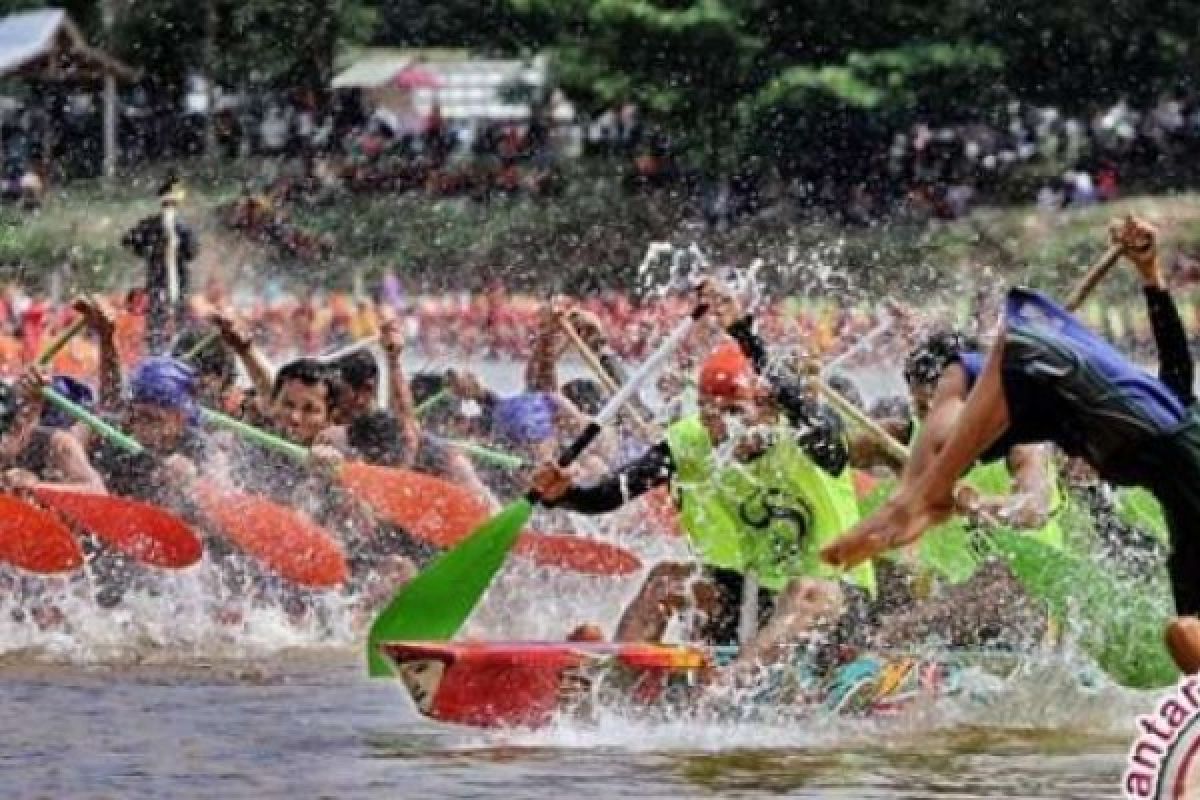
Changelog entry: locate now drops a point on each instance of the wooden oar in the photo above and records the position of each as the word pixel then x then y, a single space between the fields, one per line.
pixel 200 346
pixel 61 341
pixel 487 455
pixel 285 541
pixel 435 604
pixel 30 537
pixel 431 401
pixel 1091 279
pixel 147 533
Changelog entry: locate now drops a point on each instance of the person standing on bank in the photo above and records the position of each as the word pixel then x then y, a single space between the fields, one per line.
pixel 168 246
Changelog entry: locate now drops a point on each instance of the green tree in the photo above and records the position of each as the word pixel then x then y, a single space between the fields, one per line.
pixel 687 64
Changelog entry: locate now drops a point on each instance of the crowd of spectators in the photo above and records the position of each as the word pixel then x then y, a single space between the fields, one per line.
pixel 492 324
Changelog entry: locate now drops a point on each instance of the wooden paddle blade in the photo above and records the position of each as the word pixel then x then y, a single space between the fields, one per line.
pixel 33 539
pixel 426 507
pixel 436 603
pixel 286 542
pixel 145 532
pixel 577 553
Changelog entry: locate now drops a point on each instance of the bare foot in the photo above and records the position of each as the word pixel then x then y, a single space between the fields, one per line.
pixel 901 521
pixel 1183 642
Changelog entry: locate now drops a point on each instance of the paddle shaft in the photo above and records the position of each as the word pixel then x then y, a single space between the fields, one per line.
pixel 61 341
pixel 349 349
pixel 495 457
pixel 92 421
pixel 256 435
pixel 1091 279
pixel 607 379
pixel 201 346
pixel 847 409
pixel 431 401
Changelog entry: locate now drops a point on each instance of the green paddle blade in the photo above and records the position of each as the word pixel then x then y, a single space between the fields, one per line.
pixel 1117 621
pixel 438 601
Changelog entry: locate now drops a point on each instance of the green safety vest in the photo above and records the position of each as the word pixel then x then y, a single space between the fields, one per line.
pixel 947 550
pixel 771 516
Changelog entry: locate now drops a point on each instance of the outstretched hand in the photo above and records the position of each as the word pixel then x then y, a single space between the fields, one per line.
pixel 550 482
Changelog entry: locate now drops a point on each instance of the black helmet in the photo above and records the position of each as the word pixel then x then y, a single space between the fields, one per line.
pixel 926 363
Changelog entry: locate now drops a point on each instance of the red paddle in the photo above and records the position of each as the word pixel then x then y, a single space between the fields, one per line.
pixel 145 532
pixel 286 541
pixel 586 556
pixel 33 539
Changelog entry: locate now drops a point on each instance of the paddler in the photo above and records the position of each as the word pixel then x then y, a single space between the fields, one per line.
pixel 302 402
pixel 161 413
pixel 1047 378
pixel 168 246
pixel 782 493
pixel 36 442
pixel 982 604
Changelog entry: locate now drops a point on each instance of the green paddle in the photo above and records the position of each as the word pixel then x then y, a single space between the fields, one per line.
pixel 436 603
pixel 496 458
pixel 126 442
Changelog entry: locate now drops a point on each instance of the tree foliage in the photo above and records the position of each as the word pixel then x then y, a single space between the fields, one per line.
pixel 720 75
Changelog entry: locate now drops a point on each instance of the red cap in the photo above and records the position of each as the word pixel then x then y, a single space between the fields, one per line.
pixel 727 373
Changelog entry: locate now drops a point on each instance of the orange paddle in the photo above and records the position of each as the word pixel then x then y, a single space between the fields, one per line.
pixel 431 509
pixel 427 507
pixel 145 532
pixel 33 539
pixel 439 512
pixel 286 541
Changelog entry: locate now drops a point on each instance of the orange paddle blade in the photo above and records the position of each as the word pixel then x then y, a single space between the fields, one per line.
pixel 426 507
pixel 287 542
pixel 33 539
pixel 578 554
pixel 145 532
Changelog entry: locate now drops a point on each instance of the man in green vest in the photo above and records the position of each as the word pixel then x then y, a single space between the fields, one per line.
pixel 760 482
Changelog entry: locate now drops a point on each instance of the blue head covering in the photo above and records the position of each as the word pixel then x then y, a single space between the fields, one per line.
pixel 167 383
pixel 525 418
pixel 76 391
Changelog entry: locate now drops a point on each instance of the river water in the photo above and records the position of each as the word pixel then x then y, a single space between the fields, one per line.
pixel 310 725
